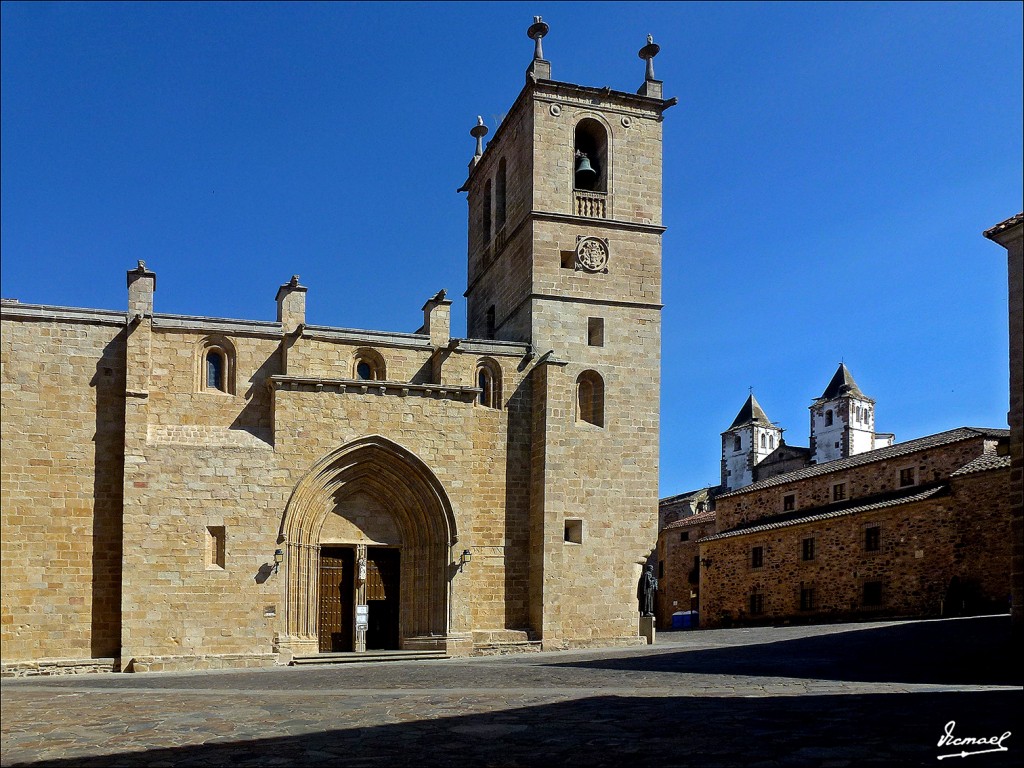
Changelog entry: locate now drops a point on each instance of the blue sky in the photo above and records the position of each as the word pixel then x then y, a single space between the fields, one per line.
pixel 828 172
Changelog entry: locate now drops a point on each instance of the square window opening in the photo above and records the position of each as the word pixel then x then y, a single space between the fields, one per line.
pixel 574 531
pixel 873 538
pixel 789 502
pixel 838 491
pixel 907 477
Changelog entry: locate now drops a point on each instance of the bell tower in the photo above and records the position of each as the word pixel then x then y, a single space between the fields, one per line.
pixel 565 254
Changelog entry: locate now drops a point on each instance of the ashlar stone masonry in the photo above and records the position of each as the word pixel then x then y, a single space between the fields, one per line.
pixel 194 492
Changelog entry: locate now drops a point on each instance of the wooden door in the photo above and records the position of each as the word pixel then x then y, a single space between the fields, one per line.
pixel 337 593
pixel 382 583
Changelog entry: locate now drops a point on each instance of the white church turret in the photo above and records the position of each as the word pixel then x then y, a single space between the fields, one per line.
pixel 748 441
pixel 843 421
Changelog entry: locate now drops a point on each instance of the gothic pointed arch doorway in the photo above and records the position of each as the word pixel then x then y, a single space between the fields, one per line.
pixel 372 522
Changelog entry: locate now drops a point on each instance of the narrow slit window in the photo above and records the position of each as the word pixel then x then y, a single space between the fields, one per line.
pixel 216 541
pixel 590 398
pixel 595 331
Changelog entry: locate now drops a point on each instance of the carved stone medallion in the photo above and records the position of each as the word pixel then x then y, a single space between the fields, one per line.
pixel 591 254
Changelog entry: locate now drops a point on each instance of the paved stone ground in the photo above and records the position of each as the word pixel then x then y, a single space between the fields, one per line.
pixel 831 696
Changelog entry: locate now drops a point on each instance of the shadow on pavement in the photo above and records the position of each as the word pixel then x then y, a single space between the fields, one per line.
pixel 974 651
pixel 835 730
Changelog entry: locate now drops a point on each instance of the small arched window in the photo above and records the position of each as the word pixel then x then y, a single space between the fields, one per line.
pixel 215 370
pixel 771 441
pixel 215 365
pixel 499 197
pixel 828 418
pixel 488 380
pixel 764 441
pixel 368 365
pixel 590 398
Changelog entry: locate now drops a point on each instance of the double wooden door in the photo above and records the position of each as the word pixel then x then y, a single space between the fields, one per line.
pixel 338 598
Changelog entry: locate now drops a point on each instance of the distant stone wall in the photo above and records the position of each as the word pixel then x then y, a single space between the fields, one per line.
pixel 678 581
pixel 874 477
pixel 922 547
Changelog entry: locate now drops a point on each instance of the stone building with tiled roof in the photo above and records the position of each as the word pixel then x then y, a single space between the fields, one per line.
pixel 920 528
pixel 805 510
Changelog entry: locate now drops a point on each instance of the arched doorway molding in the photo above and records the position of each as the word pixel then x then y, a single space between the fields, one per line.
pixel 403 483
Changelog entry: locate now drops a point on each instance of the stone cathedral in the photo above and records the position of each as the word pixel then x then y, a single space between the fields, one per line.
pixel 193 492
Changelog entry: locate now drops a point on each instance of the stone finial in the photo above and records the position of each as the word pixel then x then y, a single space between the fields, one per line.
pixel 648 52
pixel 536 33
pixel 651 86
pixel 478 132
pixel 539 69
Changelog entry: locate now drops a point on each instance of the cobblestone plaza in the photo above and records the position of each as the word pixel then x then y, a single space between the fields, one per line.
pixel 839 695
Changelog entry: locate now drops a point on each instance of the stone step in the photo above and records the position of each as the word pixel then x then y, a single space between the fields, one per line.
pixel 368 656
pixel 500 649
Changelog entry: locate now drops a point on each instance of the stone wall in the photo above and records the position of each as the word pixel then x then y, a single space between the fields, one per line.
pixel 923 546
pixel 678 566
pixel 62 424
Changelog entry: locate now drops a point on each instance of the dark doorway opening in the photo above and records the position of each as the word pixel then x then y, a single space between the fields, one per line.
pixel 382 569
pixel 337 592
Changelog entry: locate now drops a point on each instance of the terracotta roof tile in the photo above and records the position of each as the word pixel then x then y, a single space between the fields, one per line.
pixel 703 517
pixel 983 463
pixel 907 496
pixel 1004 225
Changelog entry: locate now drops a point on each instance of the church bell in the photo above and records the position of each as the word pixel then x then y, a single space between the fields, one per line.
pixel 584 170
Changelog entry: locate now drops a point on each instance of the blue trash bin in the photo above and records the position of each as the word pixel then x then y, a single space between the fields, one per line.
pixel 677 620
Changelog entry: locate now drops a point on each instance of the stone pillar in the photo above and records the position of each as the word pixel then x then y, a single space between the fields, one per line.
pixel 141 287
pixel 1010 235
pixel 291 305
pixel 137 477
pixel 647 628
pixel 437 319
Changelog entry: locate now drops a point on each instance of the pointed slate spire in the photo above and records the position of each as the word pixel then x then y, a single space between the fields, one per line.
pixel 842 384
pixel 750 412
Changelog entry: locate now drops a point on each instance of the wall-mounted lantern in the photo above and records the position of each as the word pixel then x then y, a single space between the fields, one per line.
pixel 465 559
pixel 278 559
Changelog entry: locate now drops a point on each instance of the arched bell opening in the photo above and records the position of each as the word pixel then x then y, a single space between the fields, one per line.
pixel 590 156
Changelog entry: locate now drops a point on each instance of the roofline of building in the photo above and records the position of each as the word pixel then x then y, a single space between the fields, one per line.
pixel 11 309
pixel 830 511
pixel 878 454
